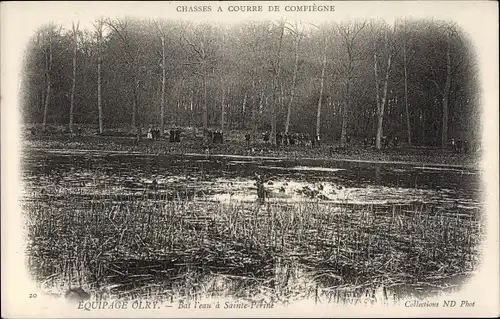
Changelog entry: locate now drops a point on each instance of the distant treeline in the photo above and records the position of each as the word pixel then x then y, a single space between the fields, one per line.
pixel 413 79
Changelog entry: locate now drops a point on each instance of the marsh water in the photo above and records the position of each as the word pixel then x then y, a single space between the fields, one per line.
pixel 224 178
pixel 70 180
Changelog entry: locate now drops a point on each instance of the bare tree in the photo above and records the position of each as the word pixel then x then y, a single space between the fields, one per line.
pixel 99 31
pixel 163 84
pixel 405 67
pixel 298 37
pixel 222 83
pixel 201 49
pixel 133 56
pixel 381 100
pixel 161 31
pixel 276 82
pixel 449 33
pixel 445 92
pixel 322 84
pixel 349 33
pixel 75 47
pixel 48 69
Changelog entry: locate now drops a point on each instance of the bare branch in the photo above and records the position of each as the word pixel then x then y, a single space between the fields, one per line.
pixel 192 46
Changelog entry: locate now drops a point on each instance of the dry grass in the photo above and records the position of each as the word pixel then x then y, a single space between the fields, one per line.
pixel 188 249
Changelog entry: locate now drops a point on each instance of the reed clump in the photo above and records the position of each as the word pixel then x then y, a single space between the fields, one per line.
pixel 188 249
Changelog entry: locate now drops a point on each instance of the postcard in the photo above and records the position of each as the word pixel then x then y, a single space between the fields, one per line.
pixel 250 159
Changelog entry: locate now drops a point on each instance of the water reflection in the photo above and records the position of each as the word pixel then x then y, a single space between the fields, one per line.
pixel 199 228
pixel 377 173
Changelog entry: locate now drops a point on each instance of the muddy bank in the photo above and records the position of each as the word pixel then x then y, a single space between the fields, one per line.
pixel 327 151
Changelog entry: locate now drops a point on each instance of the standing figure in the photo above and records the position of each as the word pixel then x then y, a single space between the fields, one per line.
pixel 150 133
pixel 458 149
pixel 261 192
pixel 265 137
pixel 279 138
pixel 395 142
pixel 139 134
pixel 384 141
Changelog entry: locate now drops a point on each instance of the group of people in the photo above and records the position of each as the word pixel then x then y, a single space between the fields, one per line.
pixel 216 137
pixel 386 141
pixel 289 139
pixel 153 133
pixel 459 146
pixel 175 135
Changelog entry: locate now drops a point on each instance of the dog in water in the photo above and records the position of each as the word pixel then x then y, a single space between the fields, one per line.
pixel 76 295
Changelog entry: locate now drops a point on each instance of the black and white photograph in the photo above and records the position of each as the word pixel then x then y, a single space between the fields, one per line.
pixel 249 159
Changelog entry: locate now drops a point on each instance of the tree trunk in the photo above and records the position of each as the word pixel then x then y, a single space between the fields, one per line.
pixel 193 119
pixel 229 110
pixel 163 84
pixel 405 66
pixel 379 134
pixel 73 87
pixel 344 108
pixel 243 117
pixel 257 112
pixel 222 83
pixel 446 92
pixel 281 98
pixel 294 81
pixel 205 107
pixel 222 109
pixel 276 86
pixel 175 118
pixel 99 76
pixel 48 67
pixel 134 105
pixel 381 103
pixel 318 114
pixel 347 104
pixel 254 111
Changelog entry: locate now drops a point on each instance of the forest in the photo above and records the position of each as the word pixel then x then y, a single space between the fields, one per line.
pixel 118 205
pixel 414 79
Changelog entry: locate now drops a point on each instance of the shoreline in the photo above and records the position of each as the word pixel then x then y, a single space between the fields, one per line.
pixel 240 156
